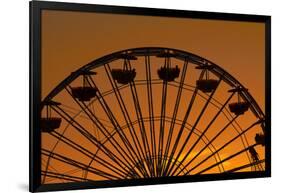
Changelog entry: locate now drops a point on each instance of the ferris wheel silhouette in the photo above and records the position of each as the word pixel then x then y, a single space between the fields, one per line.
pixel 149 112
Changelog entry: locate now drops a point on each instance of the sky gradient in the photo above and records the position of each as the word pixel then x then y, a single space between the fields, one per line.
pixel 72 39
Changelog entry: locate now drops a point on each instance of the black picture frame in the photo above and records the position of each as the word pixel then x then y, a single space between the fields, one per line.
pixel 35 87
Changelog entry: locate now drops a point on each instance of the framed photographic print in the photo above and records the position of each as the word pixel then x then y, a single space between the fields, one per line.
pixel 123 96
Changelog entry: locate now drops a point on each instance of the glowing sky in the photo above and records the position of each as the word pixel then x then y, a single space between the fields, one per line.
pixel 73 39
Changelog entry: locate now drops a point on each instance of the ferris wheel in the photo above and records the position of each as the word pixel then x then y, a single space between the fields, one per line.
pixel 149 112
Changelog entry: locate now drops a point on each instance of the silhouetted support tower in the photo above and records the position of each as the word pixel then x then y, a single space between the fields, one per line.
pixel 256 165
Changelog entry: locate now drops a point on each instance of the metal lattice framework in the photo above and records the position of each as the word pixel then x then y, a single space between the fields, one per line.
pixel 149 112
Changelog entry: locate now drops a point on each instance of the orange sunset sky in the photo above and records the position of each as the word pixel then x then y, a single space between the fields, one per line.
pixel 72 39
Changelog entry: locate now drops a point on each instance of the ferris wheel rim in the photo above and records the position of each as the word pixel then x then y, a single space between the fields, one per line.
pixel 181 54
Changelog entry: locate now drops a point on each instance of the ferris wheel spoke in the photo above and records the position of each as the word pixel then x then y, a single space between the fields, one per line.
pixel 225 145
pixel 141 124
pixel 173 121
pixel 77 112
pixel 162 123
pixel 116 124
pixel 245 166
pixel 178 122
pixel 127 118
pixel 238 129
pixel 88 153
pixel 228 158
pixel 203 133
pixel 204 139
pixel 46 168
pixel 182 127
pixel 210 142
pixel 91 138
pixel 151 111
pixel 195 124
pixel 80 165
pixel 63 176
pixel 105 132
pixel 64 159
pixel 125 114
